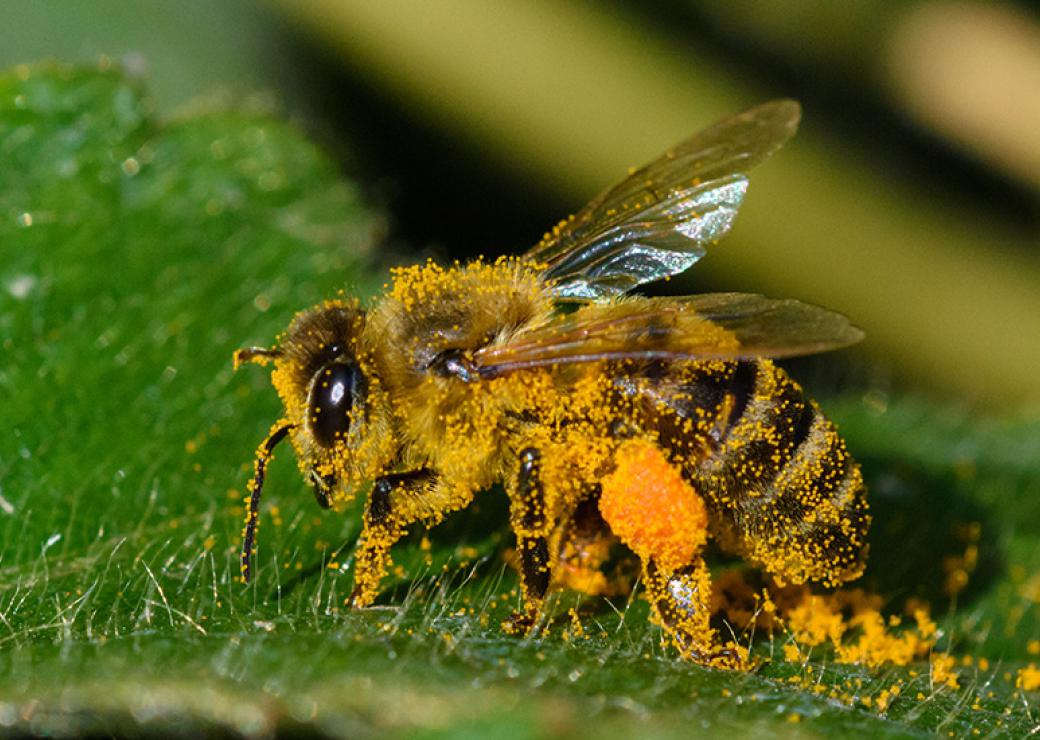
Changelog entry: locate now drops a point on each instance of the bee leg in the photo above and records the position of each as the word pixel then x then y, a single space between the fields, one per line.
pixel 532 525
pixel 585 548
pixel 681 601
pixel 391 508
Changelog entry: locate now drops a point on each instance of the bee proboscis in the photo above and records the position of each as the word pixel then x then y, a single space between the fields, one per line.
pixel 611 419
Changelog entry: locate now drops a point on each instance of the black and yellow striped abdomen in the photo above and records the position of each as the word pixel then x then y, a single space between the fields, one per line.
pixel 783 489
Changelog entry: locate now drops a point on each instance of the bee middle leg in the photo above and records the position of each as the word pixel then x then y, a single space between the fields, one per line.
pixel 586 545
pixel 533 526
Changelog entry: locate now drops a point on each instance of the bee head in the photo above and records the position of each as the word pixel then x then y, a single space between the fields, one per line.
pixel 332 396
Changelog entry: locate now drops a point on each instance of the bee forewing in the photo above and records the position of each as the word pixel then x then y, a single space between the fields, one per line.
pixel 775 328
pixel 719 326
pixel 660 220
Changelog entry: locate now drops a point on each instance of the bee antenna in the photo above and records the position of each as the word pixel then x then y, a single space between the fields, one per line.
pixel 264 454
pixel 258 355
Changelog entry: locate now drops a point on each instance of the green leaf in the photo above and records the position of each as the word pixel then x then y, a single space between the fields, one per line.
pixel 136 256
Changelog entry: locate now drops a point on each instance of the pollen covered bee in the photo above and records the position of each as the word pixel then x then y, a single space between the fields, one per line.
pixel 656 423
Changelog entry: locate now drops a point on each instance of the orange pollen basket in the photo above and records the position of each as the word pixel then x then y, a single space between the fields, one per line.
pixel 651 508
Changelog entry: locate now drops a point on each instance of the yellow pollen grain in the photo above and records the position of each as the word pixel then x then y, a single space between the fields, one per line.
pixel 942 673
pixel 1028 678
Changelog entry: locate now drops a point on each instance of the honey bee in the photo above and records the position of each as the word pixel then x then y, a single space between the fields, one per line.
pixel 653 423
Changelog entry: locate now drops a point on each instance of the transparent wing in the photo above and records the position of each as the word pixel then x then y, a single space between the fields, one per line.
pixel 714 326
pixel 659 220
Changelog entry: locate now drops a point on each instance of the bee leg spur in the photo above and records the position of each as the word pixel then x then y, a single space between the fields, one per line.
pixel 387 517
pixel 682 603
pixel 532 525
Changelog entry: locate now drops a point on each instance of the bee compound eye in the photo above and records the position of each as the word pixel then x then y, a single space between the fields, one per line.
pixel 334 392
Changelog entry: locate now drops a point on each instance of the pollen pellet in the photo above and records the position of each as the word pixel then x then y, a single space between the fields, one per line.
pixel 651 508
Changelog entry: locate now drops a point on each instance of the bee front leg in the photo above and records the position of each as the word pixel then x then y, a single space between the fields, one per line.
pixel 681 601
pixel 393 504
pixel 532 524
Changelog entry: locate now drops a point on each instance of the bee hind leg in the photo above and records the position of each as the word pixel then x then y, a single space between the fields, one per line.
pixel 532 524
pixel 681 600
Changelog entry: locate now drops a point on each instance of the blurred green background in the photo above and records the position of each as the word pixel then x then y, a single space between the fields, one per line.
pixel 909 200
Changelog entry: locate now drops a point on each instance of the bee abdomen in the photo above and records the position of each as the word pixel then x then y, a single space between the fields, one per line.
pixel 782 482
